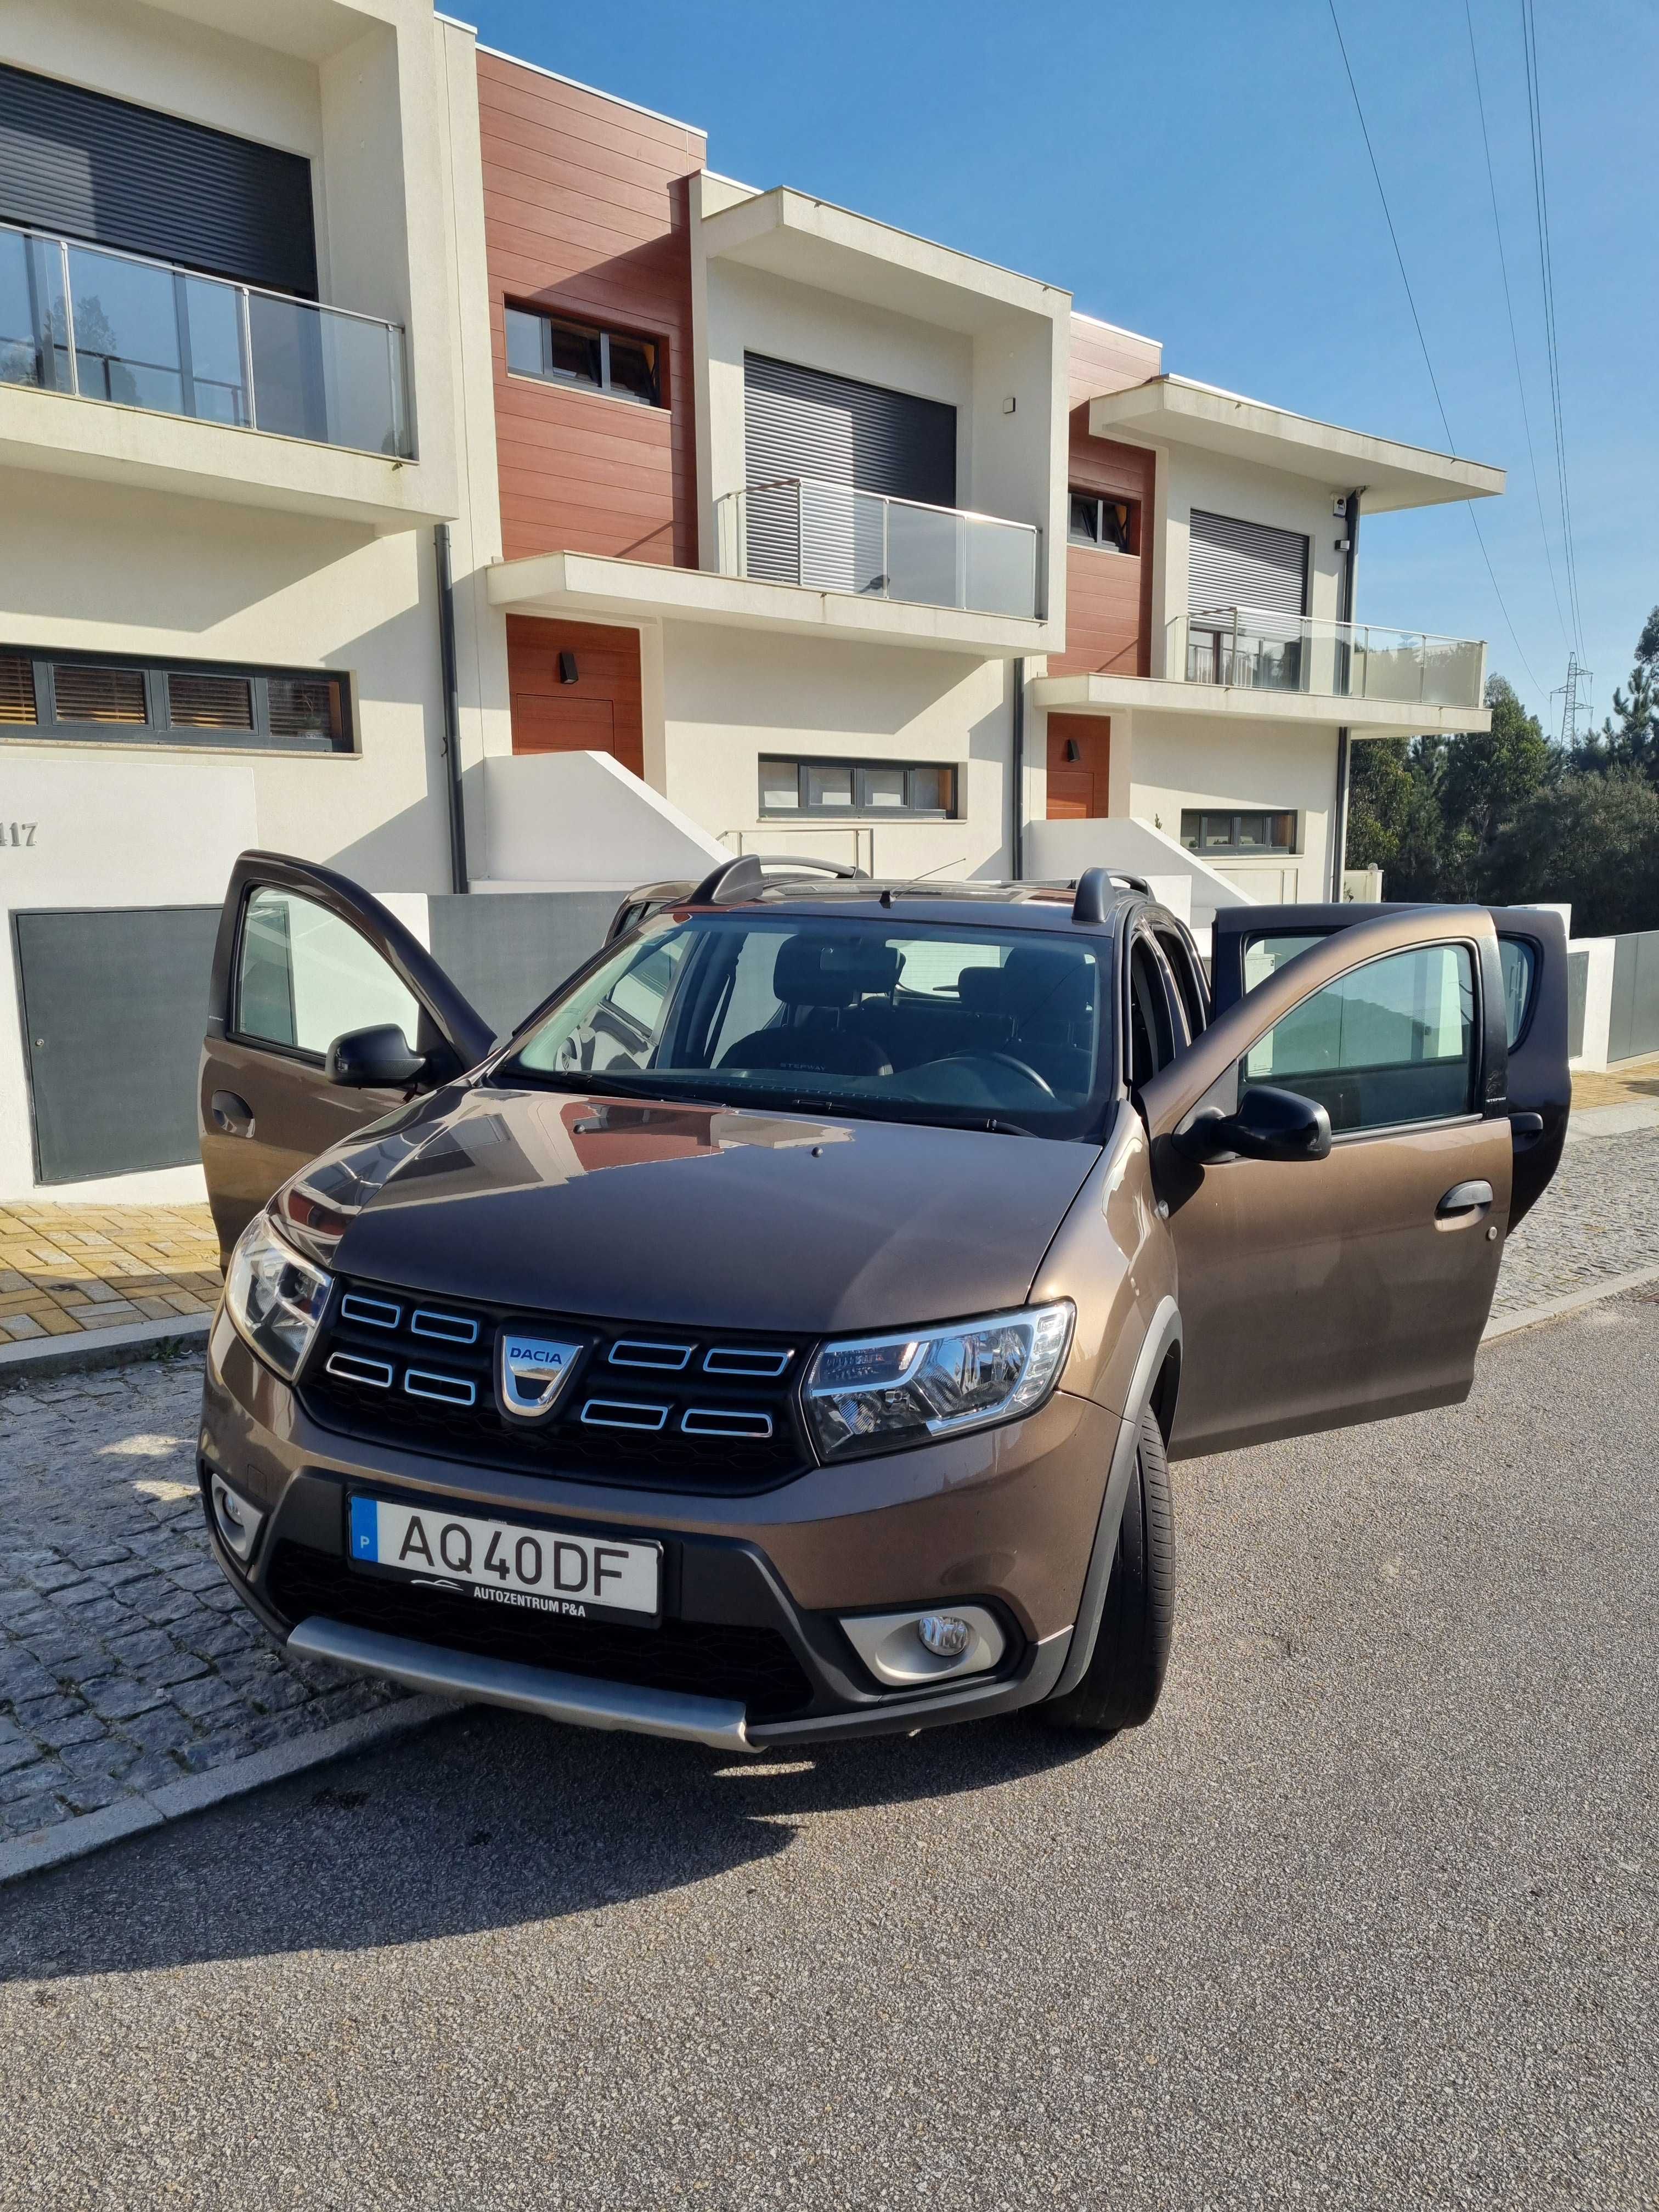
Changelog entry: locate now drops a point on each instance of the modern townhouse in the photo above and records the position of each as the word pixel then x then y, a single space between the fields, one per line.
pixel 420 462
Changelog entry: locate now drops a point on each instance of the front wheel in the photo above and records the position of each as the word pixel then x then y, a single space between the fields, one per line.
pixel 1120 1686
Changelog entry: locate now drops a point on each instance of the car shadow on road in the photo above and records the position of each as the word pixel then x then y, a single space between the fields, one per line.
pixel 484 1822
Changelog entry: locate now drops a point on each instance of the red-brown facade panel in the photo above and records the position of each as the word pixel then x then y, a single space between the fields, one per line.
pixel 575 688
pixel 585 217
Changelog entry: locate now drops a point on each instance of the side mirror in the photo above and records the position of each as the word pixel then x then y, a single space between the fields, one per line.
pixel 1270 1125
pixel 377 1059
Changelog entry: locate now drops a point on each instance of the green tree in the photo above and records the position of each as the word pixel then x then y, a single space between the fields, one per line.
pixel 1593 839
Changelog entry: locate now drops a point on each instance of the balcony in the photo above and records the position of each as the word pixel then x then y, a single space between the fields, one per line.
pixel 84 321
pixel 829 537
pixel 1246 648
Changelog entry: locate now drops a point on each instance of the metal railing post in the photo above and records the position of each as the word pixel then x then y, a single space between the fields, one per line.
pixel 68 319
pixel 800 531
pixel 886 558
pixel 245 319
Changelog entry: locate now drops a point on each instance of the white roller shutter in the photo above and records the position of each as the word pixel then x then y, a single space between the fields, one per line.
pixel 1232 563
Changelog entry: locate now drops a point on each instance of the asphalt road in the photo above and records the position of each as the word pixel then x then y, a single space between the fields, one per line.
pixel 1366 1917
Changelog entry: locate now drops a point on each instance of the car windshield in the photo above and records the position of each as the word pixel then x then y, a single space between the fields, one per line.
pixel 978 1027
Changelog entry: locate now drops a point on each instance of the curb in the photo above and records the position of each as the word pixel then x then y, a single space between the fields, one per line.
pixel 104 1347
pixel 1553 1309
pixel 194 1793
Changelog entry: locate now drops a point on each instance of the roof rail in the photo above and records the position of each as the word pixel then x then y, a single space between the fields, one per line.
pixel 740 878
pixel 1093 888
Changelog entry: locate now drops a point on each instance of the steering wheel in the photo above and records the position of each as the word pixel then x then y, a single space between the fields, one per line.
pixel 1008 1059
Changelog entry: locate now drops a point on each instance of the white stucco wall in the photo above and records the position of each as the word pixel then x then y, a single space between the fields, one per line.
pixel 1214 760
pixel 731 696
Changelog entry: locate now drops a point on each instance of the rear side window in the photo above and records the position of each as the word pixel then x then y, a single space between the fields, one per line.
pixel 1265 956
pixel 304 977
pixel 1392 1042
pixel 1152 1039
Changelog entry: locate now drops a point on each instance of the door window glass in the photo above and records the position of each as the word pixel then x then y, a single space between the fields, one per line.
pixel 619 1016
pixel 1152 1041
pixel 304 977
pixel 1266 956
pixel 1392 1042
pixel 1519 959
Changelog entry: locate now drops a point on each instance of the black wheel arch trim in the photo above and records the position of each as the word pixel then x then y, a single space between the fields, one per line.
pixel 1164 1335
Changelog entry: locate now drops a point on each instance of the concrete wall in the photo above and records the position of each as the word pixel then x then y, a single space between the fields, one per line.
pixel 731 696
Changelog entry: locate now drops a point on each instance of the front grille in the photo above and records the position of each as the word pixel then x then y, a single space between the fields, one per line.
pixel 753 1665
pixel 651 1408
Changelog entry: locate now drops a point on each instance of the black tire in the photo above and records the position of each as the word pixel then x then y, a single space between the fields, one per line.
pixel 1121 1686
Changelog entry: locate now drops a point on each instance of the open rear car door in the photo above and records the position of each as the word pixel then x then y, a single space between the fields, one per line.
pixel 1251 942
pixel 325 1014
pixel 1334 1154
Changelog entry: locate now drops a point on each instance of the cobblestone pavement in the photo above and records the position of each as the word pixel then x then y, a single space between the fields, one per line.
pixel 125 1661
pixel 1599 1217
pixel 67 1269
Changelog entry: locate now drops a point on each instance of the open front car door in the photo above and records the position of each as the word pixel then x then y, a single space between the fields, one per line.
pixel 1335 1153
pixel 324 1013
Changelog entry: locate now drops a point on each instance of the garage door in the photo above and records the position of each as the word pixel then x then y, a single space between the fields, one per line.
pixel 801 423
pixel 1233 563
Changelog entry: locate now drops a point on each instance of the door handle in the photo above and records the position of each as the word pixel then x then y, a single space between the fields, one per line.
pixel 1464 1198
pixel 232 1115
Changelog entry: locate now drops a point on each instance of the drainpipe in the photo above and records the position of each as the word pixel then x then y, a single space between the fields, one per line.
pixel 1344 746
pixel 1017 827
pixel 452 711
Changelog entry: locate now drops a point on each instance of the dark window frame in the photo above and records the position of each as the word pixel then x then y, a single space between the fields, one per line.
pixel 860 809
pixel 158 727
pixel 1236 851
pixel 589 332
pixel 1100 542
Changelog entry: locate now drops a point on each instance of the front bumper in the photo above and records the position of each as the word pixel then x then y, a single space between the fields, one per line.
pixel 750 1653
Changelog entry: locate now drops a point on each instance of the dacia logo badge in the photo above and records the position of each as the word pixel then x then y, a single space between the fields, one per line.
pixel 531 1371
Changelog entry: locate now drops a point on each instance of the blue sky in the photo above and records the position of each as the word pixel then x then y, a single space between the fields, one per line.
pixel 1195 171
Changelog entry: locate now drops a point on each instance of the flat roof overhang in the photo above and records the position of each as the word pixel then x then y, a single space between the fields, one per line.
pixel 1154 695
pixel 604 588
pixel 1175 410
pixel 811 241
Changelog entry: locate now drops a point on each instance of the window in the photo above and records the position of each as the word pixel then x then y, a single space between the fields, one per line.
pixel 1098 520
pixel 1261 830
pixel 558 352
pixel 103 698
pixel 1151 1039
pixel 910 1024
pixel 304 977
pixel 1392 1042
pixel 1518 957
pixel 847 787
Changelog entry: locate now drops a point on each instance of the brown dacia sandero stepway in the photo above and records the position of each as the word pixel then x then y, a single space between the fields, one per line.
pixel 782 1334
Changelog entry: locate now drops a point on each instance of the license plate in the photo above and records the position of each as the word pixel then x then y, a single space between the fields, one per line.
pixel 504 1563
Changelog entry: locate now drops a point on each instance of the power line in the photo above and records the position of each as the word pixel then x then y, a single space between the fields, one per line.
pixel 1451 442
pixel 1515 343
pixel 1547 278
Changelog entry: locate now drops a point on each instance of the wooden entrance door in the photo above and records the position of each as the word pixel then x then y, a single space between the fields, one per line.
pixel 598 713
pixel 1079 760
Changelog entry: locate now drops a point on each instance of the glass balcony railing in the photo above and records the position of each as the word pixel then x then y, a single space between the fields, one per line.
pixel 802 529
pixel 137 333
pixel 1252 650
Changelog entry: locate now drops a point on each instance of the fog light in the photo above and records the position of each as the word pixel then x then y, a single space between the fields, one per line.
pixel 945 1634
pixel 237 1523
pixel 908 1649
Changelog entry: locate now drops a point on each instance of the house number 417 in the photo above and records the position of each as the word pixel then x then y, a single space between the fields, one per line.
pixel 21 834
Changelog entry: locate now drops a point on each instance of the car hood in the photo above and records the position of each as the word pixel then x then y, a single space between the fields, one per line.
pixel 694 1215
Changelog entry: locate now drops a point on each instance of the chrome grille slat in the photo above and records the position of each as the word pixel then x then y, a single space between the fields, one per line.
pixel 373 1313
pixel 747 1361
pixel 668 1359
pixel 623 1414
pixel 444 1389
pixel 451 1328
pixel 724 1421
pixel 351 1367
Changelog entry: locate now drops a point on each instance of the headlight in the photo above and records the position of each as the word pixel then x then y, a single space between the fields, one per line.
pixel 274 1296
pixel 879 1392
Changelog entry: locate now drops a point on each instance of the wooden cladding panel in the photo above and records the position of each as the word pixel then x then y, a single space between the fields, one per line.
pixel 1102 360
pixel 586 215
pixel 599 713
pixel 1109 596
